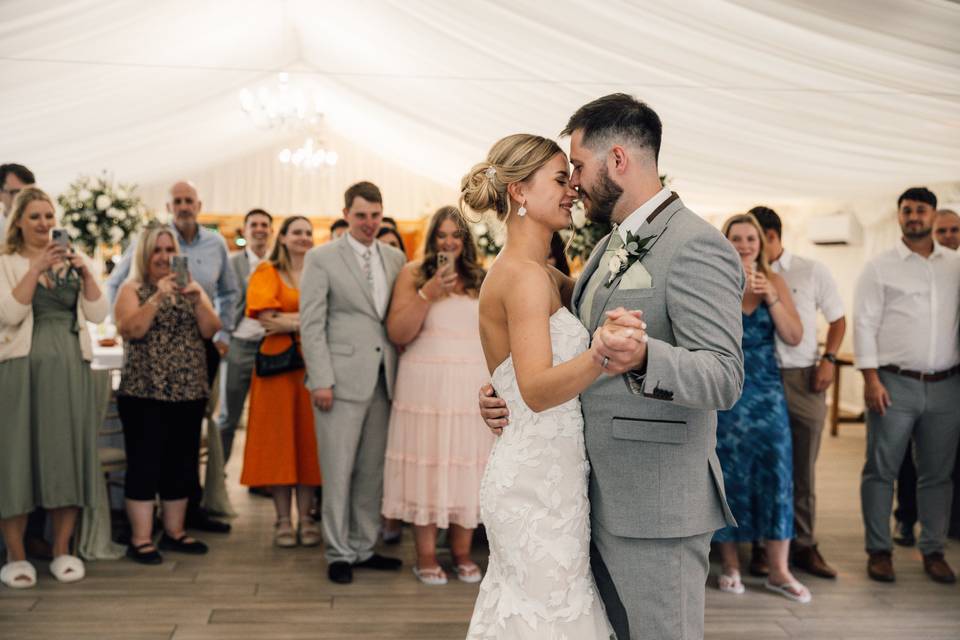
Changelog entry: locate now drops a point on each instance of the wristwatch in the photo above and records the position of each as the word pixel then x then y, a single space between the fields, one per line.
pixel 829 357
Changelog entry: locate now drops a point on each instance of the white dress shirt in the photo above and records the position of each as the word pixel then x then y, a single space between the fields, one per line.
pixel 907 311
pixel 812 288
pixel 381 295
pixel 638 218
pixel 248 328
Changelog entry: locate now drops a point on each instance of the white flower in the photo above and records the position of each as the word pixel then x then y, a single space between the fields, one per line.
pixel 92 228
pixel 615 264
pixel 84 195
pixel 483 242
pixel 73 232
pixel 480 229
pixel 123 215
pixel 103 202
pixel 121 194
pixel 113 213
pixel 116 235
pixel 622 255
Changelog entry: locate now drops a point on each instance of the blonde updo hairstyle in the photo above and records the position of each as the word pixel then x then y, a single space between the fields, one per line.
pixel 512 159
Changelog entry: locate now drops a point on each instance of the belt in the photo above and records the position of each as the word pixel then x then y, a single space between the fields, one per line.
pixel 936 376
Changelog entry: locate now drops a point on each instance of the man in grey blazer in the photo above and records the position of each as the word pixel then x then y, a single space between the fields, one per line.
pixel 656 489
pixel 344 294
pixel 240 360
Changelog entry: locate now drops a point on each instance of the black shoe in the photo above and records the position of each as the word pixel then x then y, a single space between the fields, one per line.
pixel 181 545
pixel 380 563
pixel 263 492
pixel 201 521
pixel 954 532
pixel 904 535
pixel 340 572
pixel 144 557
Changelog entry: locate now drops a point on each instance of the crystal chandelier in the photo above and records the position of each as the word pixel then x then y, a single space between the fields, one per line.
pixel 308 156
pixel 283 106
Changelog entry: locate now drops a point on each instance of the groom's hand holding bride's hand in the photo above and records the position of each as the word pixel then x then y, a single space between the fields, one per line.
pixel 493 410
pixel 620 345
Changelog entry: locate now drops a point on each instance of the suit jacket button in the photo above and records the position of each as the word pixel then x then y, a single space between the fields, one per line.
pixel 378 349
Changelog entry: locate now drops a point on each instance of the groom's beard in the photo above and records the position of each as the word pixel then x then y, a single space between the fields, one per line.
pixel 603 198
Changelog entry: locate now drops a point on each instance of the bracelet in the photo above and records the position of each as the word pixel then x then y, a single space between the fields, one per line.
pixel 774 303
pixel 829 357
pixel 423 295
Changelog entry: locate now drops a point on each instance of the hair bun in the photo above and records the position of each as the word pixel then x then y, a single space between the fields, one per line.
pixel 478 190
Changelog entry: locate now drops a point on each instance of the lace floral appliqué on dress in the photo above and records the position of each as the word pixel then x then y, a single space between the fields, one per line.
pixel 534 504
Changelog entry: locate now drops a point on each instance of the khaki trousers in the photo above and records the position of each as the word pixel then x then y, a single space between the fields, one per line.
pixel 807 410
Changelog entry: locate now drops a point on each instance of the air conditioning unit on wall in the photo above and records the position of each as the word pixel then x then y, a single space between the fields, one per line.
pixel 834 229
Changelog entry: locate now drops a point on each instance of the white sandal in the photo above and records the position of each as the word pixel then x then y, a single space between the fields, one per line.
pixel 787 589
pixel 67 568
pixel 731 583
pixel 469 573
pixel 433 577
pixel 284 535
pixel 18 575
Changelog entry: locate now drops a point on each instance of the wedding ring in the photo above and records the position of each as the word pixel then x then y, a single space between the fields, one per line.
pixel 606 360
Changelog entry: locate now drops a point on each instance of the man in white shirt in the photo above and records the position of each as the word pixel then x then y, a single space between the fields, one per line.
pixel 257 232
pixel 946 229
pixel 806 376
pixel 13 178
pixel 907 345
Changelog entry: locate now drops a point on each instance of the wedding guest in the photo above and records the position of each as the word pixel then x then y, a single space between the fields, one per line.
pixel 13 178
pixel 436 452
pixel 388 223
pixel 281 447
pixel 210 268
pixel 753 438
pixel 351 367
pixel 806 376
pixel 257 232
pixel 48 443
pixel 163 392
pixel 906 343
pixel 946 228
pixel 338 228
pixel 391 237
pixel 558 255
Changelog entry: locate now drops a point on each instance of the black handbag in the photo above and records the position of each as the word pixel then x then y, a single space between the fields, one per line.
pixel 274 364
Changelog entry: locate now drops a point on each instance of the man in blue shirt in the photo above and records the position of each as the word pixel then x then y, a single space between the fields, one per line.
pixel 210 268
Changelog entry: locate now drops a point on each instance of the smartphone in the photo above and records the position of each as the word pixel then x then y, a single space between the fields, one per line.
pixel 179 265
pixel 444 260
pixel 61 237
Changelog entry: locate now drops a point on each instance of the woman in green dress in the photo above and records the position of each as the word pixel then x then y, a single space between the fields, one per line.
pixel 48 436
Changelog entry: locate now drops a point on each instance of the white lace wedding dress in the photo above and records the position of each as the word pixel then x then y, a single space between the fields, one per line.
pixel 534 505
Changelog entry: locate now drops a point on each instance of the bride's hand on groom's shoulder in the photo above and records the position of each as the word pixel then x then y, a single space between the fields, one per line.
pixel 493 410
pixel 620 345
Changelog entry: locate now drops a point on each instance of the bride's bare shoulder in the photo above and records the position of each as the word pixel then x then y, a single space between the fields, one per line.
pixel 510 273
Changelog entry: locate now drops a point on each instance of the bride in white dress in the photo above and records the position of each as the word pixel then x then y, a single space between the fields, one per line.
pixel 533 497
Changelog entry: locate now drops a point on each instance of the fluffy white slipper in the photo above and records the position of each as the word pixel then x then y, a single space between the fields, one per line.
pixel 18 575
pixel 433 577
pixel 67 568
pixel 731 583
pixel 791 591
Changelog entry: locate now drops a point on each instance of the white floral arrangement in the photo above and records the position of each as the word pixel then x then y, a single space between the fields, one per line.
pixel 489 237
pixel 98 212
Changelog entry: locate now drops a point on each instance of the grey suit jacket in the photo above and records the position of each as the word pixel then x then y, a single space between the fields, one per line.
pixel 344 339
pixel 652 441
pixel 241 267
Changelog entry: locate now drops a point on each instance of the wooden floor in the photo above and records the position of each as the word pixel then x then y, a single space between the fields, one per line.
pixel 246 588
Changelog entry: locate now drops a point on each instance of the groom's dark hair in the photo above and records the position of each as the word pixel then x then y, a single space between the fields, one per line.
pixel 617 116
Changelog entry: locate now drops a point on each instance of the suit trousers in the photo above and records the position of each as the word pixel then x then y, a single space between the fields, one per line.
pixel 906 511
pixel 807 410
pixel 652 588
pixel 352 442
pixel 213 366
pixel 925 412
pixel 235 385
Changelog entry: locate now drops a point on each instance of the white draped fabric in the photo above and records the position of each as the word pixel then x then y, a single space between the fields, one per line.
pixel 792 102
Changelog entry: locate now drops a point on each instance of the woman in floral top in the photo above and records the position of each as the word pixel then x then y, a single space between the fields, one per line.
pixel 163 392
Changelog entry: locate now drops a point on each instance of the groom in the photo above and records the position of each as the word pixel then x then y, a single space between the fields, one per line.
pixel 656 490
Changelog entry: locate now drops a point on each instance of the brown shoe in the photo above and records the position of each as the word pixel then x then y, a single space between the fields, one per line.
pixel 938 569
pixel 758 562
pixel 880 566
pixel 810 560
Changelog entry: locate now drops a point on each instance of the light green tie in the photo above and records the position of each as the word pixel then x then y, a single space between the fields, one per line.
pixel 600 275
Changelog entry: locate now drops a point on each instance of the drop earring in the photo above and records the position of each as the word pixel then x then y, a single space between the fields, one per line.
pixel 522 211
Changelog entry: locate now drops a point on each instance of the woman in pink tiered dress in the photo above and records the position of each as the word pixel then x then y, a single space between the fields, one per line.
pixel 437 446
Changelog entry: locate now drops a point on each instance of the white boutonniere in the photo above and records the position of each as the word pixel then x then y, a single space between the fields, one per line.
pixel 631 252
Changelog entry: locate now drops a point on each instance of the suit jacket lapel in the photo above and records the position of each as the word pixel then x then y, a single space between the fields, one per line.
pixel 592 263
pixel 353 267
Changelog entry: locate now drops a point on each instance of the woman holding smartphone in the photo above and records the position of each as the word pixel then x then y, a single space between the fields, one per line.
pixel 163 392
pixel 48 435
pixel 436 448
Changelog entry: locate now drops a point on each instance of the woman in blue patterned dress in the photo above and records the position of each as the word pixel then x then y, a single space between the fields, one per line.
pixel 753 438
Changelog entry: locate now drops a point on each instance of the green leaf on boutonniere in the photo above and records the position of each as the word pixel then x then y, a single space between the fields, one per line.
pixel 626 256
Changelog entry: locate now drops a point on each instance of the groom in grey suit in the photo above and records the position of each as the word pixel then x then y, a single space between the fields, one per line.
pixel 344 294
pixel 656 489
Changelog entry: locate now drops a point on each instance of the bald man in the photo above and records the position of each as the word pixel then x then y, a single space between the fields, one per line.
pixel 946 229
pixel 209 266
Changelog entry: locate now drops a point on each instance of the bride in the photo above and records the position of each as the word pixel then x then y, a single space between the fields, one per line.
pixel 533 497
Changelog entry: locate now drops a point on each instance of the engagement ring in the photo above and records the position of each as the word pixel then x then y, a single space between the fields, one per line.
pixel 606 359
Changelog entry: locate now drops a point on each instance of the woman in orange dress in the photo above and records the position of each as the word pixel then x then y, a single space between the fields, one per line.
pixel 281 447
